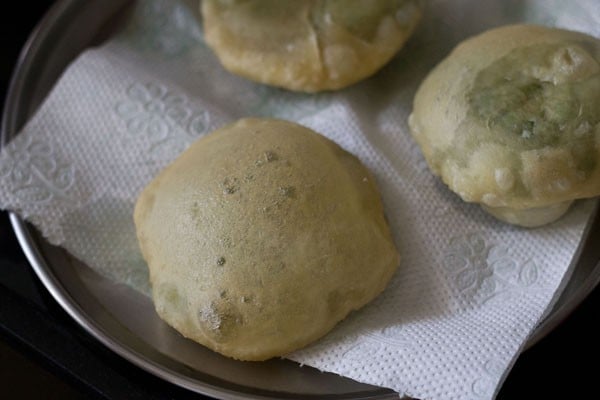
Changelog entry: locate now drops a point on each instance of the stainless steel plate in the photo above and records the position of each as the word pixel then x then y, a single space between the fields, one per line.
pixel 124 320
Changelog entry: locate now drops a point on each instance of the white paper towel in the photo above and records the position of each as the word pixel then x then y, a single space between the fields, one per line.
pixel 469 290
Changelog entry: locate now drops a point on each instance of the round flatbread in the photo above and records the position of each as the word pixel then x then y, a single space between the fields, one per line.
pixel 511 120
pixel 308 45
pixel 261 237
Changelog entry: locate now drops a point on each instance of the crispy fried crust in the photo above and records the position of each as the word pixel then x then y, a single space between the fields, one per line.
pixel 261 237
pixel 510 119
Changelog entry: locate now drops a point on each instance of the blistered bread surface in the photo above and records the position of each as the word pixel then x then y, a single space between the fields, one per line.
pixel 308 45
pixel 511 118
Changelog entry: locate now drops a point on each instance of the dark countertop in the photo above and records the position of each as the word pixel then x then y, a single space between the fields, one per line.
pixel 46 355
